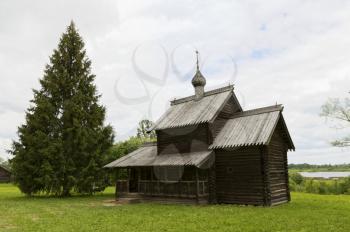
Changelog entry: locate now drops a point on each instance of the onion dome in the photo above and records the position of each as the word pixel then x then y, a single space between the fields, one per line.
pixel 198 79
pixel 198 82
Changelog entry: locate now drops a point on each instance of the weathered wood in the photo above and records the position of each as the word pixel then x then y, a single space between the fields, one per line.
pixel 116 183
pixel 187 139
pixel 174 188
pixel 197 184
pixel 265 164
pixel 239 176
pixel 212 185
pixel 278 167
pixel 138 179
pixel 286 175
pixel 151 169
pixel 250 174
pixel 180 181
pixel 138 198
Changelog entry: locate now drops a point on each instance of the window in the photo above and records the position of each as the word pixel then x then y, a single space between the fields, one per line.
pixel 229 170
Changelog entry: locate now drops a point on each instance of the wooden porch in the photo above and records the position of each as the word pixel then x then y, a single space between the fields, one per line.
pixel 142 185
pixel 130 198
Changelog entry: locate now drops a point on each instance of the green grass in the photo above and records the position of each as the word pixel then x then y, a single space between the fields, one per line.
pixel 319 170
pixel 306 212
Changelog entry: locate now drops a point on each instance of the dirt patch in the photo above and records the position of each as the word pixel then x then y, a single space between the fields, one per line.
pixel 109 203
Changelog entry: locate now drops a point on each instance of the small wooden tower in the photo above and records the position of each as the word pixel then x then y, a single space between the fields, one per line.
pixel 209 150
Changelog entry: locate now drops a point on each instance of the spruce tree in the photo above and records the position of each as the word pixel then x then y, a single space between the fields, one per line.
pixel 63 143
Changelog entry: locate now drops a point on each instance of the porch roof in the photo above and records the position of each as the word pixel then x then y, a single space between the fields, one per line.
pixel 146 156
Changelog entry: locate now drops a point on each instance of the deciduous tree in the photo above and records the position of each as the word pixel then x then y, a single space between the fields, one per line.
pixel 339 110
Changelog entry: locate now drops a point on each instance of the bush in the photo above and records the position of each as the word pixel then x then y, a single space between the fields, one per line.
pixel 337 186
pixel 292 185
pixel 297 178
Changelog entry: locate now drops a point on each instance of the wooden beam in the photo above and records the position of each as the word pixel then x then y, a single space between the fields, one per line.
pixel 197 184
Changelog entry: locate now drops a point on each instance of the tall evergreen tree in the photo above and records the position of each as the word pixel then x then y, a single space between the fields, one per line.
pixel 63 143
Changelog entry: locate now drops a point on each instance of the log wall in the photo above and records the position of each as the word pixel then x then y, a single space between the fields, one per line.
pixel 187 139
pixel 239 176
pixel 278 168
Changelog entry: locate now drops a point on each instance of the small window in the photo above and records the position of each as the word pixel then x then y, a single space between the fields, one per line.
pixel 229 170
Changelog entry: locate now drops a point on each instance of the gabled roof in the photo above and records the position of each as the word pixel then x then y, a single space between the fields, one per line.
pixel 187 111
pixel 252 127
pixel 147 156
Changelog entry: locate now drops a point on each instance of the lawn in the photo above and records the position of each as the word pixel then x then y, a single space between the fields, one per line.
pixel 306 212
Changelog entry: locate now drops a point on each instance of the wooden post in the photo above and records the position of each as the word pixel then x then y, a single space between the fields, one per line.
pixel 151 185
pixel 138 179
pixel 203 187
pixel 116 183
pixel 197 185
pixel 128 180
pixel 179 182
pixel 158 184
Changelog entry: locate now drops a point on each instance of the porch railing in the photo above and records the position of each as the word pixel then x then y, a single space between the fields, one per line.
pixel 173 188
pixel 166 188
pixel 122 186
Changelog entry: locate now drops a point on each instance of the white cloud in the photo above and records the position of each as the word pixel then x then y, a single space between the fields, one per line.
pixel 290 52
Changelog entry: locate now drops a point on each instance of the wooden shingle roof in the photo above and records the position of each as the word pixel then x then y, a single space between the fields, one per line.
pixel 250 128
pixel 147 156
pixel 187 111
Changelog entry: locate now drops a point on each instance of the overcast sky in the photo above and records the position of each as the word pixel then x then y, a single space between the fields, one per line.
pixel 295 53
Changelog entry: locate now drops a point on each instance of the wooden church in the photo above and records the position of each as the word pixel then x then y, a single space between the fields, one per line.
pixel 209 150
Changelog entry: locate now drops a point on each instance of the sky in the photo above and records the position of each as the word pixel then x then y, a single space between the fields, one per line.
pixel 295 53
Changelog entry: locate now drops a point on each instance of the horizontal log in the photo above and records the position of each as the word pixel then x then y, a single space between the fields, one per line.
pixel 279 186
pixel 240 201
pixel 281 199
pixel 281 190
pixel 279 195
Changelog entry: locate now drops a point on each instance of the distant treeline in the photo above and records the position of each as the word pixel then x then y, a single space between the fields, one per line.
pixel 298 183
pixel 315 167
